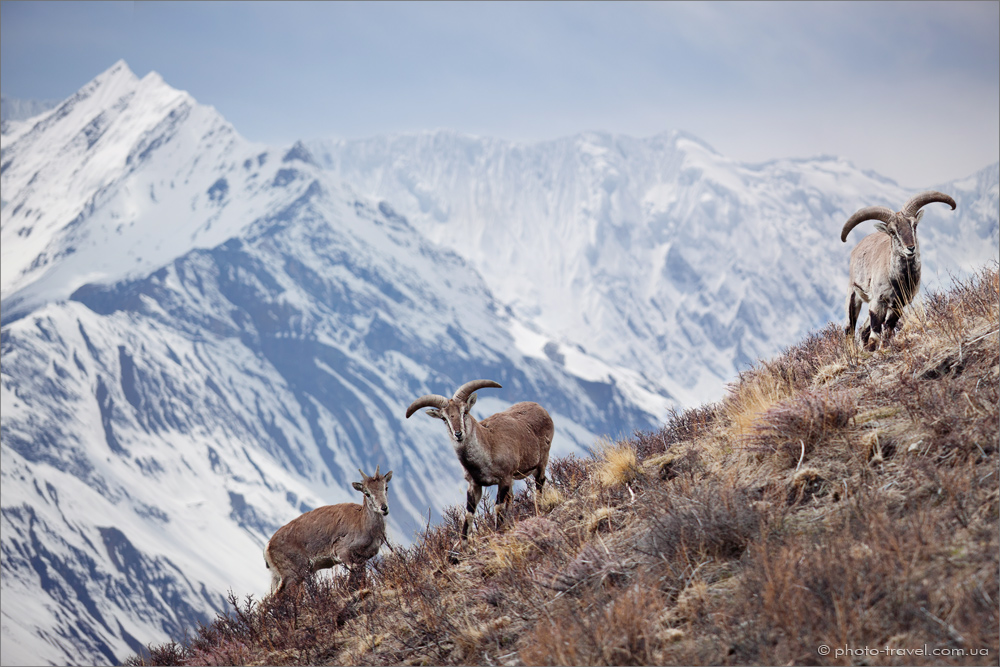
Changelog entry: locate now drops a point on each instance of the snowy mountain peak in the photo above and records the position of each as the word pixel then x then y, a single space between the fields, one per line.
pixel 86 202
pixel 110 84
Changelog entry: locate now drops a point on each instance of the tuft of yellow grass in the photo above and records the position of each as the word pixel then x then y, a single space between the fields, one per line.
pixel 550 498
pixel 617 465
pixel 505 554
pixel 752 398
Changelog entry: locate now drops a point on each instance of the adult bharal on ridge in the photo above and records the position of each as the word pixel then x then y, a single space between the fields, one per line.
pixel 506 446
pixel 885 267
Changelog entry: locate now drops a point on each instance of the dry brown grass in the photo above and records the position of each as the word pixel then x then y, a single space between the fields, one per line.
pixel 833 497
pixel 617 465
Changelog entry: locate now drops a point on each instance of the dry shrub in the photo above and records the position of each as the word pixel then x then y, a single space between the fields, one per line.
pixel 592 567
pixel 523 503
pixel 415 607
pixel 298 626
pixel 674 463
pixel 792 428
pixel 706 519
pixel 540 532
pixel 870 578
pixel 477 633
pixel 968 302
pixel 170 653
pixel 623 632
pixel 961 414
pixel 680 427
pixel 505 554
pixel 569 472
pixel 437 542
pixel 829 373
pixel 962 494
pixel 529 540
pixel 818 349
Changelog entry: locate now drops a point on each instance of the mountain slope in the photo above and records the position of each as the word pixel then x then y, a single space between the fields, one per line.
pixel 203 338
pixel 657 255
pixel 835 507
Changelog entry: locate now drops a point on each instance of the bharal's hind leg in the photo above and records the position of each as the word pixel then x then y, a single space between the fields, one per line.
pixel 539 481
pixel 504 501
pixel 853 310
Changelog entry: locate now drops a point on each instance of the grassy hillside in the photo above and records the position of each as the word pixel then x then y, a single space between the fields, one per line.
pixel 833 498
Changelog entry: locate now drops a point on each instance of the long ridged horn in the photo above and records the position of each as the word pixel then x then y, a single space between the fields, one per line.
pixel 868 213
pixel 923 199
pixel 462 393
pixel 427 401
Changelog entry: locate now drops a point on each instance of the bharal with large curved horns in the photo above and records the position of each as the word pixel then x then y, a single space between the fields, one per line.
pixel 504 447
pixel 885 267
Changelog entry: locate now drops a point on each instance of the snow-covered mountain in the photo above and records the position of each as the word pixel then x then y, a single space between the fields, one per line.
pixel 656 255
pixel 202 338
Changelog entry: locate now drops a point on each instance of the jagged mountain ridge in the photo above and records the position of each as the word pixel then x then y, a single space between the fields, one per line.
pixel 657 255
pixel 204 337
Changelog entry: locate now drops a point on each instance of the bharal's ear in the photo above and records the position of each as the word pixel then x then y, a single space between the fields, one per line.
pixel 357 486
pixel 433 412
pixel 917 217
pixel 882 228
pixel 388 476
pixel 470 402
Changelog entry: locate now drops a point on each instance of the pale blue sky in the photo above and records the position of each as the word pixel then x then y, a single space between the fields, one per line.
pixel 909 89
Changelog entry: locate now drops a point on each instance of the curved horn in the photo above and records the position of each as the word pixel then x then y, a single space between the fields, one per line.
pixel 463 392
pixel 923 199
pixel 868 213
pixel 428 401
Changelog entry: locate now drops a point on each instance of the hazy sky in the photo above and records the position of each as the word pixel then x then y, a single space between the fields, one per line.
pixel 909 89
